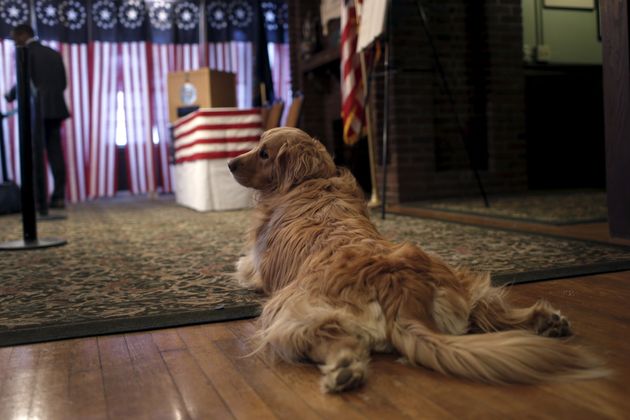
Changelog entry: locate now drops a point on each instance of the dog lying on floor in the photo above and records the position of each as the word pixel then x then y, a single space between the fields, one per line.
pixel 339 291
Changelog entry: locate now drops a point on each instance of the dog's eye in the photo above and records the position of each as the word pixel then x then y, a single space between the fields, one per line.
pixel 263 154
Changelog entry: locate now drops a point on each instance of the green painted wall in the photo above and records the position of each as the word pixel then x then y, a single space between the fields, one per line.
pixel 562 36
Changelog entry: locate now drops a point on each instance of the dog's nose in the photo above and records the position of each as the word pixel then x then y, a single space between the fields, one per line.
pixel 233 164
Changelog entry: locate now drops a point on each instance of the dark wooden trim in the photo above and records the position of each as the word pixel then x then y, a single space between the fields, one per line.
pixel 616 71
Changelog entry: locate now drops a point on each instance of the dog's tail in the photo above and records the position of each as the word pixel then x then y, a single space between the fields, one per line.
pixel 501 357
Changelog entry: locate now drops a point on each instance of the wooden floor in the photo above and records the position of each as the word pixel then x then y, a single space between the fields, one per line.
pixel 202 372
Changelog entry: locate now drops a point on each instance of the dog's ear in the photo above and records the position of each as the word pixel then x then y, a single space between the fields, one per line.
pixel 302 160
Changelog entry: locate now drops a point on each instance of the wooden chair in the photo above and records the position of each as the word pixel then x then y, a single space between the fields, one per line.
pixel 275 113
pixel 295 109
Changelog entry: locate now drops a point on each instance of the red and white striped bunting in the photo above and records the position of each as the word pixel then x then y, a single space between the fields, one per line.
pixel 216 133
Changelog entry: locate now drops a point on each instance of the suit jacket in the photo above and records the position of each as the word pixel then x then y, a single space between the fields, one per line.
pixel 49 79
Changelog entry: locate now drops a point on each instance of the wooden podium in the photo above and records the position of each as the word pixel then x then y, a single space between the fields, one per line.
pixel 204 141
pixel 203 88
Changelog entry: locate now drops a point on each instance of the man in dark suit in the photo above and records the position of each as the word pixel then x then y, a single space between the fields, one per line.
pixel 48 77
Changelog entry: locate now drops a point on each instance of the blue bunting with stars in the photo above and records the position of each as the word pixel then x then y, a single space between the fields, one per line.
pixel 161 21
pixel 13 13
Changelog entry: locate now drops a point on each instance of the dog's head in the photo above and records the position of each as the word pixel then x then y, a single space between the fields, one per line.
pixel 285 157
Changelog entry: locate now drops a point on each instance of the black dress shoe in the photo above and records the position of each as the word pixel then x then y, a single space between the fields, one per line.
pixel 58 203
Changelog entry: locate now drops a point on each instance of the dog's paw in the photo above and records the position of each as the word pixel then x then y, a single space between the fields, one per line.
pixel 246 275
pixel 553 324
pixel 253 283
pixel 348 372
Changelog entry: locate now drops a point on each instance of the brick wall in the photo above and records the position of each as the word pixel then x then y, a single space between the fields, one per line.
pixel 480 47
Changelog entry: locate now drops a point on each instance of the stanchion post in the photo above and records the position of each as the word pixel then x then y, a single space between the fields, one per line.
pixel 26 146
pixel 29 221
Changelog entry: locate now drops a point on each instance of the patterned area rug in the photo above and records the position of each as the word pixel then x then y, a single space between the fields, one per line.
pixel 557 208
pixel 138 264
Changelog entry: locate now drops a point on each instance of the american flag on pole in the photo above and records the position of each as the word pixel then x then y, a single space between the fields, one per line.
pixel 352 96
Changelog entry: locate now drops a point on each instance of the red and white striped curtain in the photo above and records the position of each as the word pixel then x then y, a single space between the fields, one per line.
pixel 235 29
pixel 9 124
pixel 280 62
pixel 235 57
pixel 104 63
pixel 166 58
pixel 137 99
pixel 277 34
pixel 76 130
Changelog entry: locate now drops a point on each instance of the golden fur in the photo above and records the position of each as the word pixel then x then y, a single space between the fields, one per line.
pixel 339 291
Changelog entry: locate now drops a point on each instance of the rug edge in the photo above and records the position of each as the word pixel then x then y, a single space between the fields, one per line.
pixel 560 273
pixel 125 325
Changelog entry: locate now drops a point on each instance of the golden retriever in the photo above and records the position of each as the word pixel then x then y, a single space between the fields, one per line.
pixel 339 291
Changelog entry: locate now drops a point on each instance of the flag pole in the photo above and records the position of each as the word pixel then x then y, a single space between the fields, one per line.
pixel 374 199
pixel 263 94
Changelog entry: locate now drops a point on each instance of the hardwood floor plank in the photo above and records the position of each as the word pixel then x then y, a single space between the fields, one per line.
pixel 5 356
pixel 87 396
pixel 372 404
pixel 167 339
pixel 154 378
pixel 304 380
pixel 216 331
pixel 123 394
pixel 401 388
pixel 240 398
pixel 244 330
pixel 201 399
pixel 85 387
pixel 84 355
pixel 438 389
pixel 281 399
pixel 18 382
pixel 592 397
pixel 50 393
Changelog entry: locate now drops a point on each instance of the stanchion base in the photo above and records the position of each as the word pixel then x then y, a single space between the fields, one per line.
pixel 374 203
pixel 22 245
pixel 50 217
